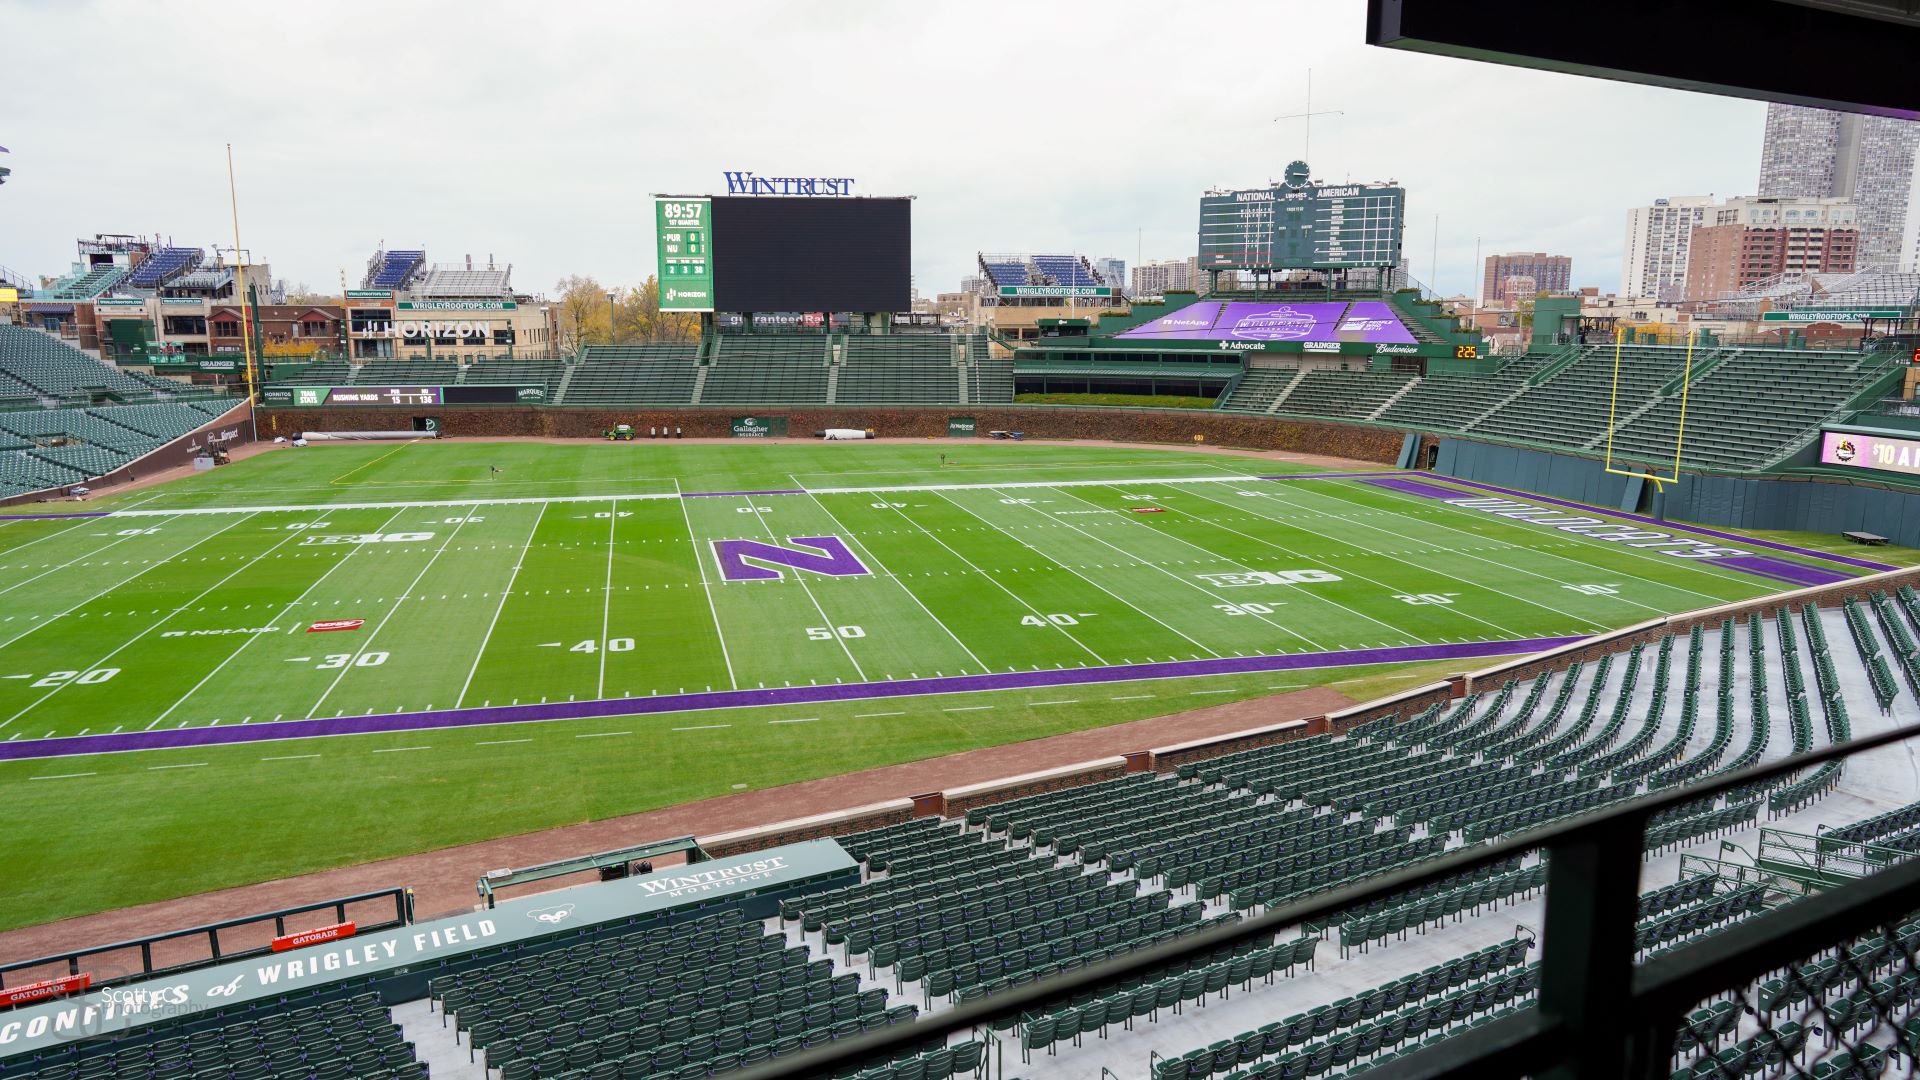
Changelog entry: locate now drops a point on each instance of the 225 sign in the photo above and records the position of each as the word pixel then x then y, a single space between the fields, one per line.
pixel 1466 352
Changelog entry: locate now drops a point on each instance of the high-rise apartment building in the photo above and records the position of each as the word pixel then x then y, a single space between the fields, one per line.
pixel 1870 161
pixel 1748 240
pixel 1659 238
pixel 1550 273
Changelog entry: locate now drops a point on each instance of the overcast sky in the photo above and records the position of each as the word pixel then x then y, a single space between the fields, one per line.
pixel 539 132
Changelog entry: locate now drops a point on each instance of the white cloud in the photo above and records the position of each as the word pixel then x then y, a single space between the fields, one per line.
pixel 538 134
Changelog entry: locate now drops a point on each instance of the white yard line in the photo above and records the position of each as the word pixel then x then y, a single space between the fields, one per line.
pixel 501 606
pixel 50 620
pixel 606 600
pixel 285 612
pixel 868 554
pixel 163 618
pixel 706 586
pixel 1302 592
pixel 88 554
pixel 530 500
pixel 384 619
pixel 1348 571
pixel 801 577
pixel 1009 535
pixel 1586 568
pixel 1002 586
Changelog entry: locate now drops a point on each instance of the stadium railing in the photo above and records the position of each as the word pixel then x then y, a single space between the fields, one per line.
pixel 1600 1013
pixel 341 909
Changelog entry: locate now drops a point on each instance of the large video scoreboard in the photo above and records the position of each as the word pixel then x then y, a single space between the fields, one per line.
pixel 1300 225
pixel 785 254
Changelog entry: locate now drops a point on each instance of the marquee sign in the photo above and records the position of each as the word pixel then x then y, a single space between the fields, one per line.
pixel 1056 290
pixel 1839 315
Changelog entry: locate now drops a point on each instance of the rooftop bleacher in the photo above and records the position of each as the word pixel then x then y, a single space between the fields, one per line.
pixel 392 269
pixel 163 264
pixel 463 283
pixel 87 285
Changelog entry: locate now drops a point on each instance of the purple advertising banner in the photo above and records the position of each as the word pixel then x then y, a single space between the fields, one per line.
pixel 1369 322
pixel 1870 452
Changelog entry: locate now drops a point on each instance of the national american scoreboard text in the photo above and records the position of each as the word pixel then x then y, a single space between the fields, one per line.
pixel 1298 224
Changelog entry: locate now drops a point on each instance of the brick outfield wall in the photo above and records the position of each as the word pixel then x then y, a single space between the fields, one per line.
pixel 888 422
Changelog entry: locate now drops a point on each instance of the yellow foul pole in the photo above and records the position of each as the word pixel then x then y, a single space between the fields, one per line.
pixel 246 310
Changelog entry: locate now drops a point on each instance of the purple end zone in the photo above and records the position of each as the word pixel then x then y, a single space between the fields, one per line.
pixel 733 699
pixel 830 557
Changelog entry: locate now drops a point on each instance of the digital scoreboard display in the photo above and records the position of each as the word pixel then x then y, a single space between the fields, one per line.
pixel 1301 225
pixel 810 254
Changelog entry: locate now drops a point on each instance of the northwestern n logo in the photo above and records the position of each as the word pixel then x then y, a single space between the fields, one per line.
pixel 771 561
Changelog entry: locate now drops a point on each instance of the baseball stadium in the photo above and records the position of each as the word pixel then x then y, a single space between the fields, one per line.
pixel 1295 674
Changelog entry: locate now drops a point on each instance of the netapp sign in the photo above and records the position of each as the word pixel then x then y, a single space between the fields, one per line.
pixel 745 183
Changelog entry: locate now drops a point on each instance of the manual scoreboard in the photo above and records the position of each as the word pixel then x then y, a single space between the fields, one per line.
pixel 1300 225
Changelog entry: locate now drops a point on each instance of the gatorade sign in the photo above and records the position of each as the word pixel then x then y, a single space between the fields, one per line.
pixel 45 988
pixel 313 937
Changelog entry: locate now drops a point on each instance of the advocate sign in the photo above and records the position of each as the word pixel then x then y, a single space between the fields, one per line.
pixel 116 1009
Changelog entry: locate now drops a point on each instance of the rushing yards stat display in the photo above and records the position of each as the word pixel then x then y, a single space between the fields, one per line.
pixel 1298 224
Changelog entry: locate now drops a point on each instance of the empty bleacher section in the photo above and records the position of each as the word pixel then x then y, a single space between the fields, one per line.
pixel 1570 407
pixel 1449 402
pixel 1040 270
pixel 1354 395
pixel 58 370
pixel 1752 406
pixel 497 370
pixel 1259 388
pixel 85 285
pixel 634 374
pixel 334 1040
pixel 48 448
pixel 410 372
pixel 392 269
pixel 1746 408
pixel 898 369
pixel 156 269
pixel 770 370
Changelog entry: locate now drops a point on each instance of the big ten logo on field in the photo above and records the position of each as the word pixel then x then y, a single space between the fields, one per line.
pixel 1245 578
pixel 365 538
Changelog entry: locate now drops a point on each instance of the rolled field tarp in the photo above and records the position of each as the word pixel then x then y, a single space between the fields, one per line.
pixel 842 434
pixel 366 436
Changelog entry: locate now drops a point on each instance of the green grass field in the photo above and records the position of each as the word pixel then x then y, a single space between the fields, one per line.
pixel 580 573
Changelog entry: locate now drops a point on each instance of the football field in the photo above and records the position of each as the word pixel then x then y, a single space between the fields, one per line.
pixel 154 618
pixel 341 653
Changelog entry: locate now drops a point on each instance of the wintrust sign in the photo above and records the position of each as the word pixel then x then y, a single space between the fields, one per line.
pixel 706 881
pixel 746 183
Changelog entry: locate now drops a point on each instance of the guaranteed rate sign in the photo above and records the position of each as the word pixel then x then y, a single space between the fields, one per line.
pixel 684 228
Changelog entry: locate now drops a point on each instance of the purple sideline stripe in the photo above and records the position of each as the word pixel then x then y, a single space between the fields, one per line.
pixel 1322 476
pixel 1847 560
pixel 66 746
pixel 1782 570
pixel 54 517
pixel 1414 487
pixel 717 494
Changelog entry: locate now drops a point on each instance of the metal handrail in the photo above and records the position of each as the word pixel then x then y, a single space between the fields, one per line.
pixel 1586 857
